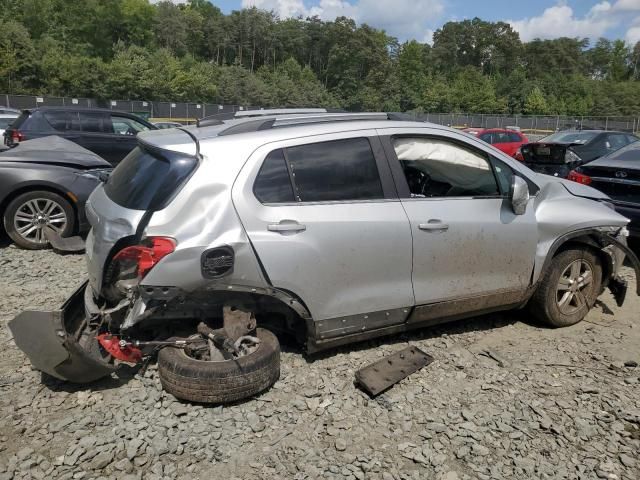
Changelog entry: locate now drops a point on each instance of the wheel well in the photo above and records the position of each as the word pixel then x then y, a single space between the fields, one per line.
pixel 38 188
pixel 588 243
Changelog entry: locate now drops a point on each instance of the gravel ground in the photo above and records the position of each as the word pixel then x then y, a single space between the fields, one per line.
pixel 550 404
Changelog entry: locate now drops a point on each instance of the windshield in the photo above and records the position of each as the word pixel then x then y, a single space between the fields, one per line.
pixel 570 137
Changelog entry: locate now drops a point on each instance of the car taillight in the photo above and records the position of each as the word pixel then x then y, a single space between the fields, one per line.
pixel 518 155
pixel 139 259
pixel 17 136
pixel 579 177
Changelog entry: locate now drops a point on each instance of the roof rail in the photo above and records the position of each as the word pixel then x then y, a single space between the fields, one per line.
pixel 277 111
pixel 219 118
pixel 278 121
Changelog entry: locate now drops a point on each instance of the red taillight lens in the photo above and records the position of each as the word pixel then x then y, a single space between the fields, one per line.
pixel 146 255
pixel 579 177
pixel 17 136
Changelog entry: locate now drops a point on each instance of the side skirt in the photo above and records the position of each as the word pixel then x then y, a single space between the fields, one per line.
pixel 417 317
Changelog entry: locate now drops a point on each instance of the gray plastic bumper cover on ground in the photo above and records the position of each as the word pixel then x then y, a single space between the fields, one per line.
pixel 51 348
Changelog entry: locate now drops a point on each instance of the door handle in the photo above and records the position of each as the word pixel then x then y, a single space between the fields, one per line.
pixel 286 226
pixel 434 225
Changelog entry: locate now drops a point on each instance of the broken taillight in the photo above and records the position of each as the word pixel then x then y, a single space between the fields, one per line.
pixel 578 177
pixel 143 257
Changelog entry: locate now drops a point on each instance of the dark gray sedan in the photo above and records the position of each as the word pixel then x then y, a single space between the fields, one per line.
pixel 44 184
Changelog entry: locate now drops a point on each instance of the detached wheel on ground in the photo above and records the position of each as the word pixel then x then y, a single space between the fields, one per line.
pixel 569 288
pixel 224 381
pixel 27 216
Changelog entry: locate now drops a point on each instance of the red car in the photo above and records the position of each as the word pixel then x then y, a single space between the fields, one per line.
pixel 503 139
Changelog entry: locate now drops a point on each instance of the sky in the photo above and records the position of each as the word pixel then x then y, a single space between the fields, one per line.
pixel 417 19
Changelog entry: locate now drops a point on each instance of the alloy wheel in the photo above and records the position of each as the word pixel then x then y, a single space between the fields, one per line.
pixel 573 286
pixel 33 216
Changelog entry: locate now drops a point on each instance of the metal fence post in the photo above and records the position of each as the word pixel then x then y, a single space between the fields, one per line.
pixel 606 123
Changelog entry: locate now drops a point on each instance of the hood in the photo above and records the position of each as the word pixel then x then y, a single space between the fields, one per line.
pixel 574 188
pixel 53 150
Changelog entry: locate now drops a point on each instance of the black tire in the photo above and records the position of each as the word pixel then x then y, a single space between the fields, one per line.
pixel 545 303
pixel 220 382
pixel 40 197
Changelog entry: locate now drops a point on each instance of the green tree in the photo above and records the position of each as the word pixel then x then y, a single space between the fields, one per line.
pixel 536 103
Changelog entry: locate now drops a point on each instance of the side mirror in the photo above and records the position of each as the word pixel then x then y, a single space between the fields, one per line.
pixel 519 195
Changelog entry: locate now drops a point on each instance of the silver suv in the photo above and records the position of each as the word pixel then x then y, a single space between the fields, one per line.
pixel 332 227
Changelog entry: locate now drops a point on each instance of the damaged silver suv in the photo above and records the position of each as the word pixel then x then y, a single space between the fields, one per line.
pixel 331 227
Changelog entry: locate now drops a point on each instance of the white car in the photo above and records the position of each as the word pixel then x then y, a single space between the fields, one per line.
pixel 6 119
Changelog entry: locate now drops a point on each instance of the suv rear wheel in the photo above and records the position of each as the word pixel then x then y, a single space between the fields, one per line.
pixel 223 381
pixel 27 216
pixel 569 288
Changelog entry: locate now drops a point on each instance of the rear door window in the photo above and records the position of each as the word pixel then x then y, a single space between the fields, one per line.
pixel 63 121
pixel 94 122
pixel 147 179
pixel 334 171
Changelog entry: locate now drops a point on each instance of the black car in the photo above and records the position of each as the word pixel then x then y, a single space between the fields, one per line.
pixel 561 152
pixel 108 133
pixel 44 183
pixel 617 175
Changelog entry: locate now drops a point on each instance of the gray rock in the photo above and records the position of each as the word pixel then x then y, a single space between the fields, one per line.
pixel 101 460
pixel 340 444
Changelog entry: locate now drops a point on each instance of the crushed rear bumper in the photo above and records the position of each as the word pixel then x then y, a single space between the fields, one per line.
pixel 51 341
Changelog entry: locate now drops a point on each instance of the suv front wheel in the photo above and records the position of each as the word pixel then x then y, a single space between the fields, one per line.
pixel 569 288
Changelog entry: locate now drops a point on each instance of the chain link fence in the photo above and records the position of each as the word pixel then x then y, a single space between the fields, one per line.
pixel 188 112
pixel 532 124
pixel 181 111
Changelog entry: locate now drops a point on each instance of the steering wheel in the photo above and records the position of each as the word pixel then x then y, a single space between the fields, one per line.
pixel 418 180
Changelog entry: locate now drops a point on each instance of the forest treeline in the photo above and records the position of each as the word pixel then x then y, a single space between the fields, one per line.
pixel 132 49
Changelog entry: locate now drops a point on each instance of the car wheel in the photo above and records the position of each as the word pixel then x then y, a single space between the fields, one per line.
pixel 224 381
pixel 569 288
pixel 27 216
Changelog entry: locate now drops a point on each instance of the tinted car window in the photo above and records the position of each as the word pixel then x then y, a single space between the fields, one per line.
pixel 273 184
pixel 502 137
pixel 337 170
pixel 570 137
pixel 126 126
pixel 514 137
pixel 630 152
pixel 439 168
pixel 487 137
pixel 148 179
pixel 63 121
pixel 93 122
pixel 616 141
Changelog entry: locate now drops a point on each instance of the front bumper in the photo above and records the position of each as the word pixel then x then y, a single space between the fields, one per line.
pixel 51 341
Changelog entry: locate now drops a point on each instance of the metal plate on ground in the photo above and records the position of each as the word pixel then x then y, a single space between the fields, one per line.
pixel 63 244
pixel 379 376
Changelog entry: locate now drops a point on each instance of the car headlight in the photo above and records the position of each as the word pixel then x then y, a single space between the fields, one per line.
pixel 100 174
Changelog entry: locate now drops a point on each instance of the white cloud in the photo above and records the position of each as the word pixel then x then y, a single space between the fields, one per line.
pixel 404 19
pixel 561 21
